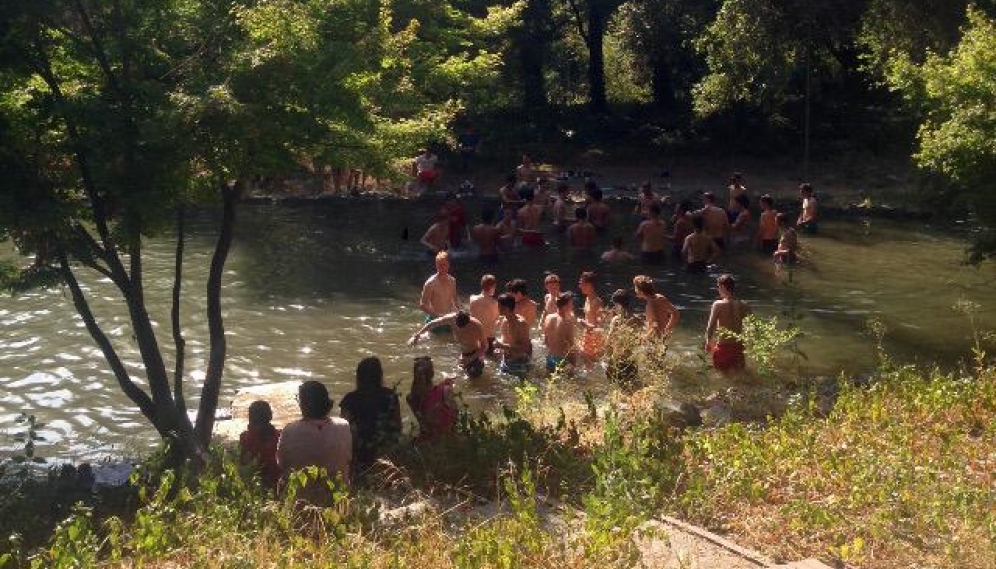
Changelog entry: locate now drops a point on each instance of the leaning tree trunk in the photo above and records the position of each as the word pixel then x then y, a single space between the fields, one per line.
pixel 216 327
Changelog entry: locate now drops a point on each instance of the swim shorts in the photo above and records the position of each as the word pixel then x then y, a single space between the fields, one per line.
pixel 728 357
pixel 533 238
pixel 554 363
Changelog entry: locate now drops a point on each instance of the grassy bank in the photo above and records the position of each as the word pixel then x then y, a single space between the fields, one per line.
pixel 902 472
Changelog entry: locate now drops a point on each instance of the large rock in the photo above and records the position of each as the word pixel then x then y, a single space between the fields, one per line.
pixel 282 398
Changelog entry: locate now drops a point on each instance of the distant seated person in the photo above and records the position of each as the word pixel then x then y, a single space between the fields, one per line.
pixel 467 144
pixel 617 254
pixel 258 443
pixel 437 238
pixel 374 413
pixel 808 215
pixel 426 169
pixel 432 404
pixel 316 440
pixel 788 243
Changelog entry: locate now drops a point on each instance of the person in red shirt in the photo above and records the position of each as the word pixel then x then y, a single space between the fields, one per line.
pixel 258 443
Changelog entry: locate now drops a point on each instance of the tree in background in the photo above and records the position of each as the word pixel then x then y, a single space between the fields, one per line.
pixel 119 115
pixel 591 18
pixel 955 93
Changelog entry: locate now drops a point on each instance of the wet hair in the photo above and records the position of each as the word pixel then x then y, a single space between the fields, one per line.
pixel 806 188
pixel 488 215
pixel 622 297
pixel 369 374
pixel 726 281
pixel 587 277
pixel 313 397
pixel 644 284
pixel 617 242
pixel 783 220
pixel 767 199
pixel 743 200
pixel 421 380
pixel 488 281
pixel 581 213
pixel 517 285
pixel 597 194
pixel 698 223
pixel 564 298
pixel 462 319
pixel 506 301
pixel 655 208
pixel 260 416
pixel 552 277
pixel 709 197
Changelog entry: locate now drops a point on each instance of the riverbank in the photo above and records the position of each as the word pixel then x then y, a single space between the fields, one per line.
pixel 899 473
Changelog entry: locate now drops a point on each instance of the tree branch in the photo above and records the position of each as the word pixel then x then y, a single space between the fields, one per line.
pixel 178 340
pixel 133 391
pixel 216 327
pixel 578 19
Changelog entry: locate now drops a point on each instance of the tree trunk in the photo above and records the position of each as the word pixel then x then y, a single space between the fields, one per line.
pixel 216 325
pixel 533 81
pixel 596 61
pixel 662 86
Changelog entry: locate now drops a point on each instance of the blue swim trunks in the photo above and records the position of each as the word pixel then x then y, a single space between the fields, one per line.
pixel 554 362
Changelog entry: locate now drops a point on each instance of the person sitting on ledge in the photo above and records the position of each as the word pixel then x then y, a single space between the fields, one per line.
pixel 316 440
pixel 258 443
pixel 374 413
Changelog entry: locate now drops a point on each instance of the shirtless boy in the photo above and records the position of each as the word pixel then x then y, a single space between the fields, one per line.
pixel 525 173
pixel 515 344
pixel 468 332
pixel 616 254
pixel 699 249
pixel 717 223
pixel 652 236
pixel 788 244
pixel 508 193
pixel 767 226
pixel 552 286
pixel 581 235
pixel 737 189
pixel 662 316
pixel 728 314
pixel 562 208
pixel 437 237
pixel 439 294
pixel 558 334
pixel 593 338
pixel 647 198
pixel 486 236
pixel 529 221
pixel 682 227
pixel 599 212
pixel 524 306
pixel 484 308
pixel 807 217
pixel 507 228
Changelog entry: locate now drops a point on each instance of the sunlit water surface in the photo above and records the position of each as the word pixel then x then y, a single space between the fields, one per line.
pixel 310 290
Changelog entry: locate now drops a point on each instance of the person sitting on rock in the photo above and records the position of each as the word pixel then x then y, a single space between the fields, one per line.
pixel 432 404
pixel 316 440
pixel 374 413
pixel 258 443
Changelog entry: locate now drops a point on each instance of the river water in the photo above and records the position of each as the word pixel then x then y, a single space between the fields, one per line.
pixel 311 289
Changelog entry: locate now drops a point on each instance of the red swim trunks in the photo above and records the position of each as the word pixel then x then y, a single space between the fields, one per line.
pixel 427 175
pixel 533 238
pixel 728 357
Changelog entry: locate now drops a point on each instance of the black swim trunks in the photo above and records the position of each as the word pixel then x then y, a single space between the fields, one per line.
pixel 652 257
pixel 696 267
pixel 473 368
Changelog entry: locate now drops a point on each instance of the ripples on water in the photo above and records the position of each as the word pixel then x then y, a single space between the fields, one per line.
pixel 311 290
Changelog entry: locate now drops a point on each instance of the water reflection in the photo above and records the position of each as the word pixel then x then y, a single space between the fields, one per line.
pixel 311 290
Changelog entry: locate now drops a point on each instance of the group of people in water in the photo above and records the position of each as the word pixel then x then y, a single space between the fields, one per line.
pixel 695 237
pixel 499 327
